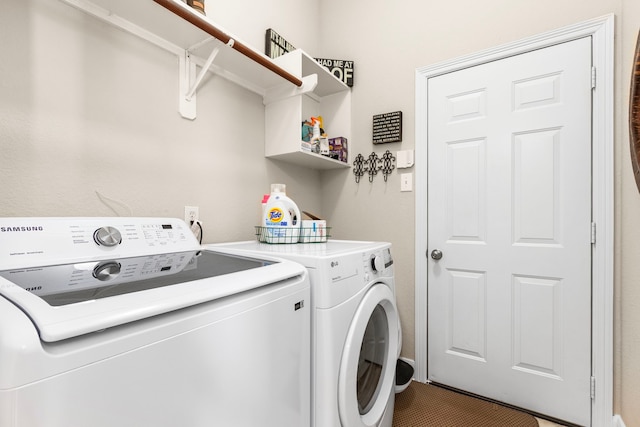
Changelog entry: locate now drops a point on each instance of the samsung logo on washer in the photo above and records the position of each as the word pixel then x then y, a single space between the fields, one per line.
pixel 23 228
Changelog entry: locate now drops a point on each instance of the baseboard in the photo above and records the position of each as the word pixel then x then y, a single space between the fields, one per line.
pixel 617 421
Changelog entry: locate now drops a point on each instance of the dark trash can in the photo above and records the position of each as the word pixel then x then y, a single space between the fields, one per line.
pixel 404 374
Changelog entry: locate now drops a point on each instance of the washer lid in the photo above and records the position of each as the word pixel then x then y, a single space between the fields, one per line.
pixel 68 300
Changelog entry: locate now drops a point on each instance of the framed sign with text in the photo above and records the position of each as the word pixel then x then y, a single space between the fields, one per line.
pixel 387 127
pixel 340 68
pixel 275 45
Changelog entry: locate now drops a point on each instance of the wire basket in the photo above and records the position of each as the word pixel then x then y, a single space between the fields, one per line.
pixel 286 235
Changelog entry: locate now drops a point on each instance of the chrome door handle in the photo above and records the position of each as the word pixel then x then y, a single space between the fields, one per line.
pixel 436 254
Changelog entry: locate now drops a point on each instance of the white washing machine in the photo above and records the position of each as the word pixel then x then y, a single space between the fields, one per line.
pixel 355 332
pixel 129 322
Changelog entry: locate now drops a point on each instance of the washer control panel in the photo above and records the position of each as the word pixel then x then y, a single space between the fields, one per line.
pixel 46 241
pixel 107 236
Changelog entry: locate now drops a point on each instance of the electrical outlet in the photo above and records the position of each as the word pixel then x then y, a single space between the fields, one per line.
pixel 191 214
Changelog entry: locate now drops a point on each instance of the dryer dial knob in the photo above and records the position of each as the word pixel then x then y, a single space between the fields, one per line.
pixel 107 236
pixel 377 263
pixel 106 271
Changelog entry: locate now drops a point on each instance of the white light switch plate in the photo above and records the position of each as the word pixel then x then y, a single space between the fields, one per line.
pixel 406 182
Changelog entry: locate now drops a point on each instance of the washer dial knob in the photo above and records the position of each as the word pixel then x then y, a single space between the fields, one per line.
pixel 377 263
pixel 107 236
pixel 106 271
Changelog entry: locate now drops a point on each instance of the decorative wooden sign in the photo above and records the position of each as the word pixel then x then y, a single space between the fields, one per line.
pixel 275 45
pixel 387 127
pixel 634 115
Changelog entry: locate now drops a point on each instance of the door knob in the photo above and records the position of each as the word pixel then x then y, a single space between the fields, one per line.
pixel 436 254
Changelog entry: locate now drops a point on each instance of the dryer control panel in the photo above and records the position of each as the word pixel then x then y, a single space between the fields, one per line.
pixel 378 264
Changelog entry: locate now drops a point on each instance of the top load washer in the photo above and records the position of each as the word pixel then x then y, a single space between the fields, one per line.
pixel 355 328
pixel 129 322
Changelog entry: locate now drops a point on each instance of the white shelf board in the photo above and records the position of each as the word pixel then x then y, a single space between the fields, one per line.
pixel 300 62
pixel 328 84
pixel 311 160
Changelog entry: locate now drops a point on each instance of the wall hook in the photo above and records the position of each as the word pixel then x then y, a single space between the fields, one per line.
pixel 372 165
pixel 388 164
pixel 358 169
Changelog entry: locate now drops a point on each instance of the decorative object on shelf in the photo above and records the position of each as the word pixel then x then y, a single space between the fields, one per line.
pixel 372 165
pixel 358 167
pixel 634 115
pixel 197 5
pixel 286 106
pixel 340 68
pixel 387 127
pixel 388 163
pixel 275 45
pixel 338 149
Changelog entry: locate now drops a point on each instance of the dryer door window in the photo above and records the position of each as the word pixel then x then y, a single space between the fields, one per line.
pixel 367 368
pixel 373 351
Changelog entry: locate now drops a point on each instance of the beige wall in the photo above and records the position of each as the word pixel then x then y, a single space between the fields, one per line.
pixel 627 315
pixel 388 41
pixel 86 108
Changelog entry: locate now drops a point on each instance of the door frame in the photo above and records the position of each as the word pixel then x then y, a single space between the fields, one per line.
pixel 601 30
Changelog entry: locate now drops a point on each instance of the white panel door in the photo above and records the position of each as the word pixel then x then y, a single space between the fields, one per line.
pixel 509 200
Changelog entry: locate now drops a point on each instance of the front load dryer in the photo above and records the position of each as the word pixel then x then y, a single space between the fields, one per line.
pixel 354 335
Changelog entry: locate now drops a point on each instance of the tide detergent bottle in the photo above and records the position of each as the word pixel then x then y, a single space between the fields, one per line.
pixel 282 217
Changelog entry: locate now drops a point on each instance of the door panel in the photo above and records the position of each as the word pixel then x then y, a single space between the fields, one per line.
pixel 466 323
pixel 466 203
pixel 509 197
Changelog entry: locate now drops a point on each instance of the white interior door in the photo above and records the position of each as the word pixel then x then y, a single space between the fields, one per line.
pixel 509 197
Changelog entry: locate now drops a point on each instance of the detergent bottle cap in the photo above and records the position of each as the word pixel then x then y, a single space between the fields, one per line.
pixel 278 188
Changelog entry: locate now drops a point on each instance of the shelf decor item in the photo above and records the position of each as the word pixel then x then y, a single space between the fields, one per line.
pixel 197 5
pixel 340 68
pixel 634 115
pixel 275 45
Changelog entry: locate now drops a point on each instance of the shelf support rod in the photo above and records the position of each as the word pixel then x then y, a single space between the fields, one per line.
pixel 203 71
pixel 205 25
